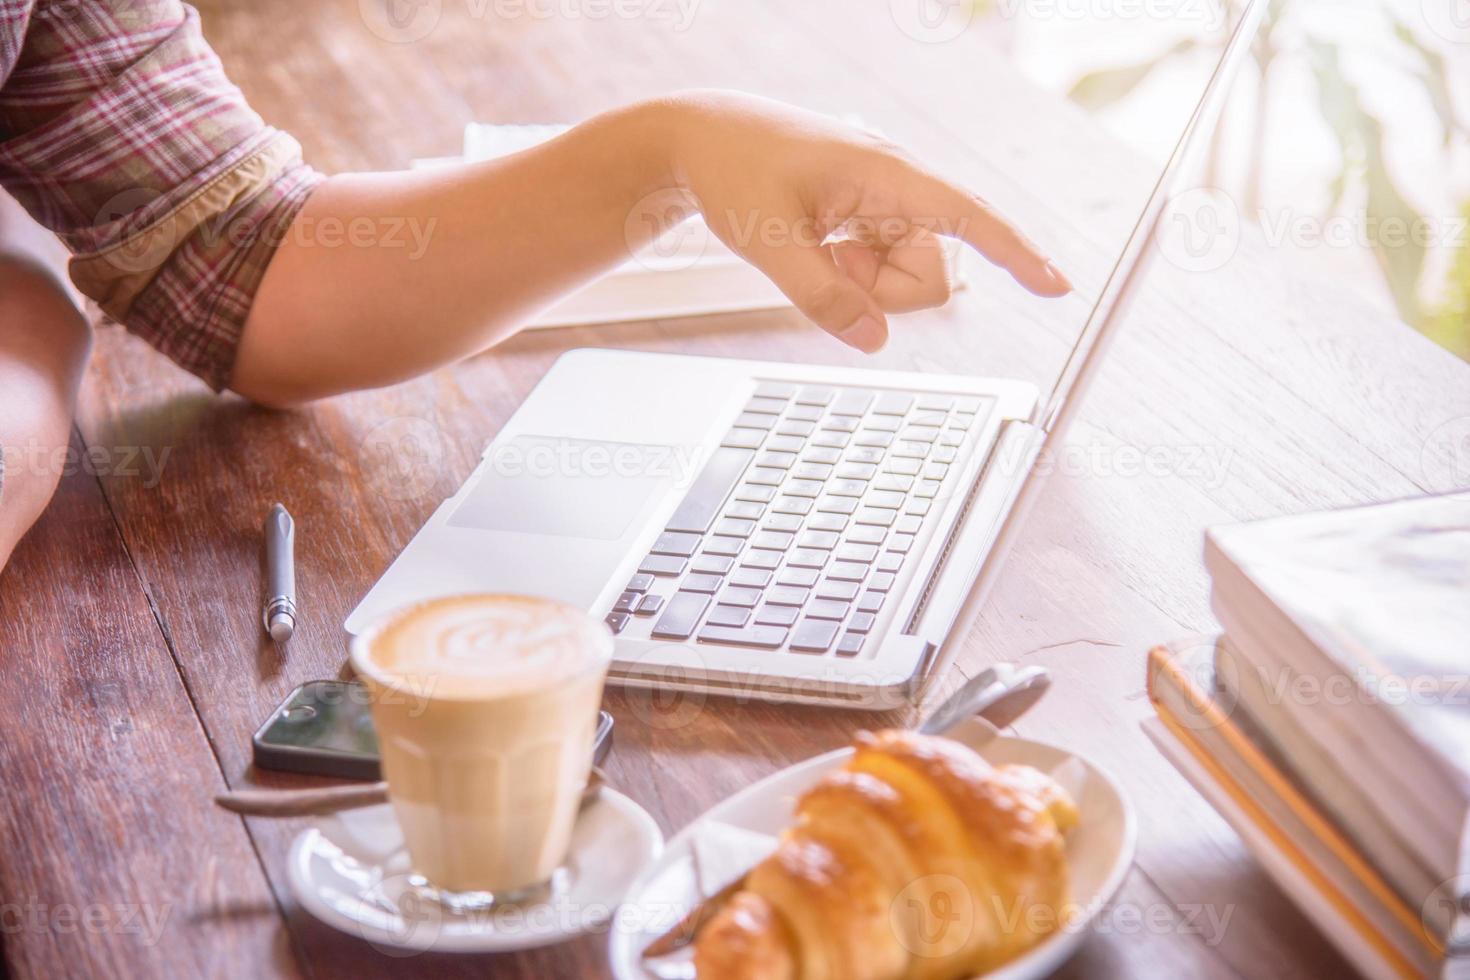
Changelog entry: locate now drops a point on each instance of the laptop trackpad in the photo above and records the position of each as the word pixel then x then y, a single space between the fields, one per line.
pixel 566 487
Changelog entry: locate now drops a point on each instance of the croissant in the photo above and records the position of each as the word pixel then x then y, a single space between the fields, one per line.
pixel 917 860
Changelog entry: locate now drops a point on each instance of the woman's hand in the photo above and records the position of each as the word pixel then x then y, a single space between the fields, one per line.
pixel 775 182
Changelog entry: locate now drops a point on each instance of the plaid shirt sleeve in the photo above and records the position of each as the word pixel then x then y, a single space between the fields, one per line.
pixel 120 132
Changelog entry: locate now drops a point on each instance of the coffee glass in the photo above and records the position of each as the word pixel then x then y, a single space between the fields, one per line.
pixel 485 707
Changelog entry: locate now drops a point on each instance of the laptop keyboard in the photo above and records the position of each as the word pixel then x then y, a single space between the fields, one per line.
pixel 794 534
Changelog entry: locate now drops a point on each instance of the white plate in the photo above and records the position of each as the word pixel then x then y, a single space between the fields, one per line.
pixel 1099 850
pixel 352 872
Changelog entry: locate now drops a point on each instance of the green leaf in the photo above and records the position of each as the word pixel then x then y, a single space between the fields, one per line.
pixel 1395 225
pixel 1435 77
pixel 1098 89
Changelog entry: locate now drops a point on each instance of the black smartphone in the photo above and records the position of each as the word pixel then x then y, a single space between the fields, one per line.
pixel 325 728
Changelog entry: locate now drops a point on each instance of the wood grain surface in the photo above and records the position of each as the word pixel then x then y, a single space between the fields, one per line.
pixel 137 668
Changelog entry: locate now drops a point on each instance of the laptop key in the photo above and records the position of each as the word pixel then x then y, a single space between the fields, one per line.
pixel 711 564
pixel 901 543
pixel 881 516
pixel 739 438
pixel 706 497
pixel 785 595
pixel 761 559
pixel 766 476
pixel 804 413
pixel 890 561
pixel 832 589
pixel 648 605
pixel 919 433
pixel 851 402
pixel 834 440
pixel 882 423
pixel 616 621
pixel 662 565
pixel 752 493
pixel 639 583
pixel 775 389
pixel 935 403
pixel 884 498
pixel 908 524
pixel 850 645
pixel 894 481
pixel 837 505
pixel 728 616
pixel 881 582
pixel 936 471
pixel 826 540
pixel 893 403
pixel 866 534
pixel 847 488
pixel 870 438
pixel 807 558
pixel 723 544
pixel 753 578
pixel 766 406
pixel 926 489
pixel 773 540
pixel 833 609
pixel 911 450
pixel 708 584
pixel 865 454
pixel 815 395
pixel 770 615
pixel 919 506
pixel 856 471
pixel 796 427
pixel 870 602
pixel 847 571
pixel 735 527
pixel 783 522
pixel 902 465
pixel 822 454
pixel 745 510
pixel 861 622
pixel 754 420
pixel 776 461
pixel 680 616
pixel 813 636
pixel 792 505
pixel 678 543
pixel 850 551
pixel 626 602
pixel 943 454
pixel 827 522
pixel 811 471
pixel 786 444
pixel 802 577
pixel 803 488
pixel 766 637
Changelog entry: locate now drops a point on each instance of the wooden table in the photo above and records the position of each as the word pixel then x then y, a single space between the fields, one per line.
pixel 135 669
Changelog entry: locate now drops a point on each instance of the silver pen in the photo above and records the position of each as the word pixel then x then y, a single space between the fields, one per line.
pixel 279 615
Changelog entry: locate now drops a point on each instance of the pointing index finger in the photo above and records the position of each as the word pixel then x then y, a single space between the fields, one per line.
pixel 983 228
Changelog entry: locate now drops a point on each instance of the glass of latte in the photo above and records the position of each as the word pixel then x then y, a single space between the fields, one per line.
pixel 485 707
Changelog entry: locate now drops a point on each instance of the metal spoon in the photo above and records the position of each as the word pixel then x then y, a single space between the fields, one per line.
pixel 331 799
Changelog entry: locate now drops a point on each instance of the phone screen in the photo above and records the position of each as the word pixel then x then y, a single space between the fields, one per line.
pixel 329 716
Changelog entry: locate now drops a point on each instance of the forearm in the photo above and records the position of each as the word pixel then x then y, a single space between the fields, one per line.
pixel 446 263
pixel 44 341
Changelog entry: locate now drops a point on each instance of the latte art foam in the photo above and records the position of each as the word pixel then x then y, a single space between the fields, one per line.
pixel 479 645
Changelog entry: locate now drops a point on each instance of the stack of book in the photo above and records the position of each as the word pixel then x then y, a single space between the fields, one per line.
pixel 1330 724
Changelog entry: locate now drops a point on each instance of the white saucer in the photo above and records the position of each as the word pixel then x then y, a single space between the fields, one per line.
pixel 352 872
pixel 1099 852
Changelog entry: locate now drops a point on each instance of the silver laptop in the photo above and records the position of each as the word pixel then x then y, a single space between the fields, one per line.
pixel 776 531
